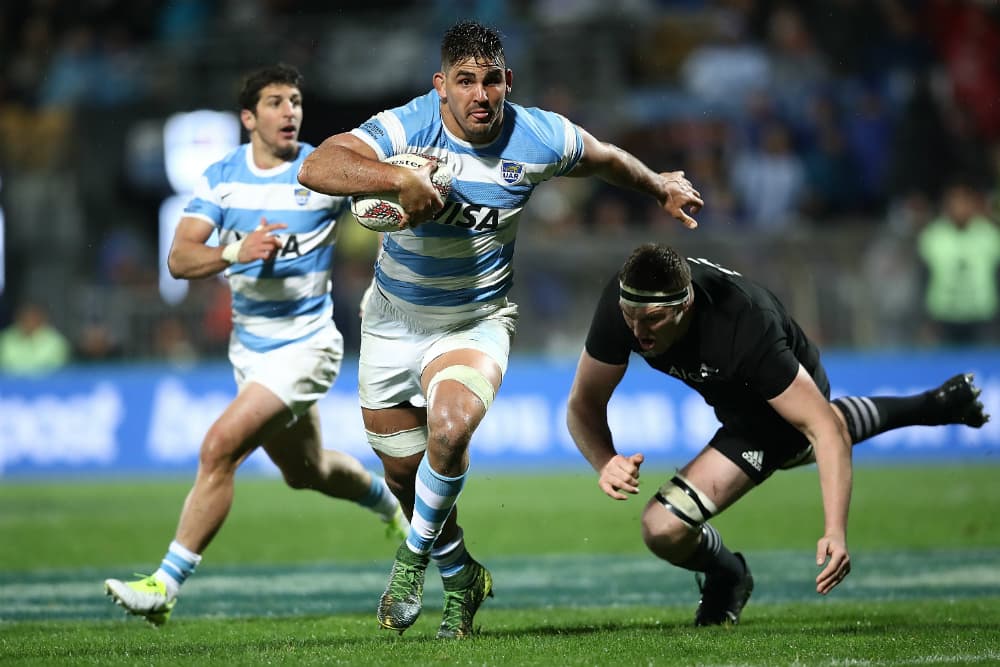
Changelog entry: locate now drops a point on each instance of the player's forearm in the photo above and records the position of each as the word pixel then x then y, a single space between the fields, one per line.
pixel 334 169
pixel 617 166
pixel 190 261
pixel 589 429
pixel 833 460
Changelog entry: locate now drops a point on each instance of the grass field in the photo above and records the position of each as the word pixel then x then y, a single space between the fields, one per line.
pixel 293 578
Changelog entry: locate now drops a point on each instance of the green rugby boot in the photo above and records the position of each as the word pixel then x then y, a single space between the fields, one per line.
pixel 400 604
pixel 396 526
pixel 146 597
pixel 463 594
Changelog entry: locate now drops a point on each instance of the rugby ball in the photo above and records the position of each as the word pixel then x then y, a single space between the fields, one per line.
pixel 381 212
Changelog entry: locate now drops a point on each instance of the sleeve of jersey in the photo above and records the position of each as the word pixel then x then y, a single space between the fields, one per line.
pixel 388 132
pixel 768 364
pixel 607 339
pixel 205 203
pixel 567 135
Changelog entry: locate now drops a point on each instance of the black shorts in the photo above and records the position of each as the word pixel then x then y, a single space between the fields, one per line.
pixel 767 445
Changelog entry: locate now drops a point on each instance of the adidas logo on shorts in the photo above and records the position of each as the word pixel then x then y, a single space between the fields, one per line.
pixel 754 458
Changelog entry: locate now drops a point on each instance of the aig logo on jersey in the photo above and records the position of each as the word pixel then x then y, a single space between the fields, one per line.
pixel 512 171
pixel 301 196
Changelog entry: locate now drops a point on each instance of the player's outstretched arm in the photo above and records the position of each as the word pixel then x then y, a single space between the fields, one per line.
pixel 803 406
pixel 675 193
pixel 587 420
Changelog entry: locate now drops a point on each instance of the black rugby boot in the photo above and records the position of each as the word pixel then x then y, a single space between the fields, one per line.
pixel 722 599
pixel 957 402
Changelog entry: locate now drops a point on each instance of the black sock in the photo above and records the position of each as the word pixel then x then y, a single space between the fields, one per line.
pixel 712 557
pixel 870 415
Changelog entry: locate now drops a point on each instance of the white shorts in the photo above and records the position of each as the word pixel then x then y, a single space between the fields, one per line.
pixel 394 354
pixel 299 373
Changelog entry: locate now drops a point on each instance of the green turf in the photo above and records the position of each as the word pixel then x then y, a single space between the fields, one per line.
pixel 287 579
pixel 963 632
pixel 76 524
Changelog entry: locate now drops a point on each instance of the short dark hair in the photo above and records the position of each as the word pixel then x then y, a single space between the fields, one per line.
pixel 256 81
pixel 471 39
pixel 656 268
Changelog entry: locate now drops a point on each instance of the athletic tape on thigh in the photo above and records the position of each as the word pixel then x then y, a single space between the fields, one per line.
pixel 401 443
pixel 686 502
pixel 473 380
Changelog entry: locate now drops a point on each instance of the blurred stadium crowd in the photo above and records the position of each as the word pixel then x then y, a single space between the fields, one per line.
pixel 848 151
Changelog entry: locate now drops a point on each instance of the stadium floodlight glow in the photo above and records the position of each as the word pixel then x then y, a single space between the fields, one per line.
pixel 191 142
pixel 195 139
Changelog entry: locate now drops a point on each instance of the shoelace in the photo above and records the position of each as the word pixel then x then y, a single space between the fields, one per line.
pixel 405 580
pixel 456 610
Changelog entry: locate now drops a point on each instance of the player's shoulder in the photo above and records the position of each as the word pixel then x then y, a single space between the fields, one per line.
pixel 737 305
pixel 547 126
pixel 418 121
pixel 542 137
pixel 228 167
pixel 727 292
pixel 424 107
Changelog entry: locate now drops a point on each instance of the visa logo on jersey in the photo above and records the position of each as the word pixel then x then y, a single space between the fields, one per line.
pixel 470 216
pixel 512 171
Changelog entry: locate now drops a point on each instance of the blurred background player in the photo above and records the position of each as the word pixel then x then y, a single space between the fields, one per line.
pixel 31 345
pixel 731 340
pixel 276 245
pixel 960 250
pixel 437 327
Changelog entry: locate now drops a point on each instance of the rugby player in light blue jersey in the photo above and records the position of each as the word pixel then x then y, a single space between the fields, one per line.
pixel 276 246
pixel 437 327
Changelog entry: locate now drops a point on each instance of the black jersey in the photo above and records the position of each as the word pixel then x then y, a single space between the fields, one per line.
pixel 740 349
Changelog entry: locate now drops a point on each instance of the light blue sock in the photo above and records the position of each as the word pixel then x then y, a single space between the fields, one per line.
pixel 451 557
pixel 379 498
pixel 177 565
pixel 436 495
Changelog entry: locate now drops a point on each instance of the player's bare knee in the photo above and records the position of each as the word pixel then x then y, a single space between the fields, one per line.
pixel 219 451
pixel 449 436
pixel 662 532
pixel 455 408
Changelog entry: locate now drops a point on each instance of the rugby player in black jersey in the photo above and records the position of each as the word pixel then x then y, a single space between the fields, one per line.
pixel 731 340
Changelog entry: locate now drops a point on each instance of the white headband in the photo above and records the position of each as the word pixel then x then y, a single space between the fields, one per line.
pixel 643 298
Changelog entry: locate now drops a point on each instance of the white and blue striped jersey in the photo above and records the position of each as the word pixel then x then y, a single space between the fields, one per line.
pixel 288 299
pixel 460 265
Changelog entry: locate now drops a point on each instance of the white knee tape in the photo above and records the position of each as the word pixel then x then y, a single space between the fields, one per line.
pixel 686 502
pixel 473 380
pixel 399 444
